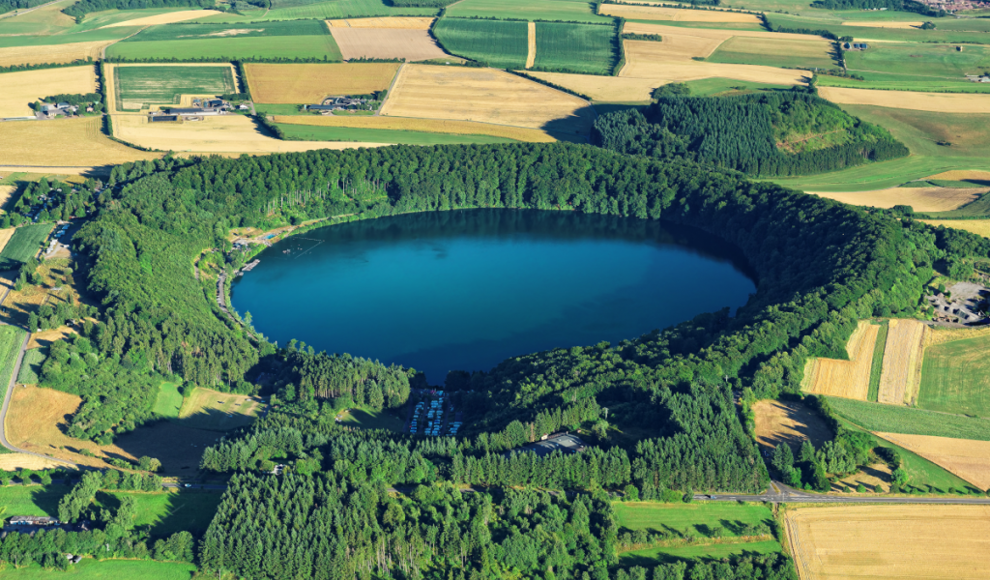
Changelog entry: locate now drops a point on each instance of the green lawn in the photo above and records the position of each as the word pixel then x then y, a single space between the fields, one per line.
pixel 277 109
pixel 31 366
pixel 169 400
pixel 909 421
pixel 698 517
pixel 562 10
pixel 31 500
pixel 24 244
pixel 581 48
pixel 11 338
pixel 315 133
pixel 955 377
pixel 499 43
pixel 90 569
pixel 653 556
pixel 169 512
pixel 373 419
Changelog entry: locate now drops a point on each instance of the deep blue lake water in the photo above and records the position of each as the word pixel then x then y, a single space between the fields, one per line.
pixel 468 289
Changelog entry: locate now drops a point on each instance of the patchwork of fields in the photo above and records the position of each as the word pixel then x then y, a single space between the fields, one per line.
pixel 845 378
pixel 498 43
pixel 22 88
pixel 139 87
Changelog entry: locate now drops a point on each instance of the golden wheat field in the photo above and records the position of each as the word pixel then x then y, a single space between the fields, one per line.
pixel 75 141
pixel 902 355
pixel 683 45
pixel 968 459
pixel 53 53
pixel 15 461
pixel 871 476
pixel 883 24
pixel 427 125
pixel 962 175
pixel 920 198
pixel 311 83
pixel 651 60
pixel 6 193
pixel 167 18
pixel 531 48
pixel 810 47
pixel 22 88
pixel 488 96
pixel 845 378
pixel 978 227
pixel 939 335
pixel 221 134
pixel 603 88
pixel 930 542
pixel 5 235
pixel 391 22
pixel 44 20
pixel 675 14
pixel 408 44
pixel 934 102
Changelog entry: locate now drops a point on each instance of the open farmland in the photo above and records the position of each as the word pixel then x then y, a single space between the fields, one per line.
pixel 690 551
pixel 954 376
pixel 968 459
pixel 790 422
pixel 55 53
pixel 78 141
pixel 22 88
pixel 421 125
pixel 498 43
pixel 321 9
pixel 845 378
pixel 653 60
pixel 878 417
pixel 603 88
pixel 978 227
pixel 809 53
pixel 906 25
pixel 693 518
pixel 43 20
pixel 410 44
pixel 487 96
pixel 90 569
pixel 166 18
pixel 559 10
pixel 675 14
pixel 389 22
pixel 582 48
pixel 25 243
pixel 921 199
pixel 390 136
pixel 139 87
pixel 935 102
pixel 962 175
pixel 903 541
pixel 311 83
pixel 5 236
pixel 902 362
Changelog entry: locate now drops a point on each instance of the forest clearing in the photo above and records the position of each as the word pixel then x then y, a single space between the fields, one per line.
pixel 902 357
pixel 80 141
pixel 788 422
pixel 845 378
pixel 311 83
pixel 213 410
pixel 921 199
pixel 966 458
pixel 425 125
pixel 24 87
pixel 904 541
pixel 934 102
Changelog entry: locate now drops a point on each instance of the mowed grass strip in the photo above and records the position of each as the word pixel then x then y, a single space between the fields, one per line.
pixel 25 243
pixel 845 378
pixel 168 512
pixel 877 368
pixel 653 556
pixel 137 87
pixel 878 417
pixel 232 48
pixel 311 83
pixel 690 518
pixel 31 366
pixel 498 43
pixel 90 569
pixel 11 338
pixel 550 10
pixel 422 125
pixel 581 48
pixel 955 377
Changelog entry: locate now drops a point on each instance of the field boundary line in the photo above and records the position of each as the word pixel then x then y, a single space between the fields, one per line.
pixel 531 40
pixel 388 95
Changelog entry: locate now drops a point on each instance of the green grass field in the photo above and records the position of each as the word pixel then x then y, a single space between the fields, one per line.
pixel 979 208
pixel 320 10
pixel 373 419
pixel 915 67
pixel 823 20
pixel 31 366
pixel 877 366
pixel 90 569
pixel 562 10
pixel 719 87
pixel 893 419
pixel 314 133
pixel 31 500
pixel 499 43
pixel 278 109
pixel 653 556
pixel 955 378
pixel 743 50
pixel 166 513
pixel 11 338
pixel 699 517
pixel 169 401
pixel 156 85
pixel 579 48
pixel 116 33
pixel 24 244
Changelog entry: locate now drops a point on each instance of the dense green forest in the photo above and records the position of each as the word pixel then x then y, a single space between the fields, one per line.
pixel 765 134
pixel 84 7
pixel 8 5
pixel 902 5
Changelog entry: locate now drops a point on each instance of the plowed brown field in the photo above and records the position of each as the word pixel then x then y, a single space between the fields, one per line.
pixel 968 459
pixel 901 375
pixel 845 378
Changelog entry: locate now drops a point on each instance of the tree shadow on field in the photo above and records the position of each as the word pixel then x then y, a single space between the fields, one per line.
pixel 575 128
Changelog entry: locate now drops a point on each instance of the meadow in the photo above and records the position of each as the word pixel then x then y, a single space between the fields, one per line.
pixel 910 421
pixel 138 87
pixel 549 10
pixel 31 366
pixel 169 400
pixel 499 43
pixel 90 569
pixel 25 243
pixel 580 48
pixel 212 410
pixel 696 518
pixel 942 34
pixel 366 419
pixel 320 10
pixel 954 377
pixel 719 87
pixel 311 83
pixel 915 67
pixel 390 136
pixel 168 512
pixel 418 125
pixel 652 556
pixel 31 500
pixel 789 53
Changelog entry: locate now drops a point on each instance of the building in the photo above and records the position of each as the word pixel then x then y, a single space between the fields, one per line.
pixel 183 111
pixel 564 442
pixel 33 521
pixel 163 118
pixel 320 107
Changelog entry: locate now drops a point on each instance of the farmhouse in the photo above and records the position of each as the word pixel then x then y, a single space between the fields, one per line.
pixel 563 442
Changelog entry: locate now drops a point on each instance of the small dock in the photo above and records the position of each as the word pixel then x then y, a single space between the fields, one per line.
pixel 248 267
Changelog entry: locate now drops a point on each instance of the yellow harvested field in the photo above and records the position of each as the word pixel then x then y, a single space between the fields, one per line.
pixel 675 14
pixel 930 542
pixel 15 461
pixel 222 134
pixel 5 236
pixel 810 47
pixel 870 476
pixel 167 18
pixel 650 60
pixel 603 88
pixel 790 422
pixel 427 125
pixel 674 46
pixel 311 83
pixel 47 337
pixel 942 335
pixel 64 173
pixel 488 96
pixel 531 48
pixel 920 198
pixel 845 378
pixel 52 53
pixel 25 87
pixel 6 193
pixel 391 22
pixel 968 459
pixel 962 175
pixel 77 141
pixel 901 374
pixel 934 102
pixel 978 227
pixel 882 24
pixel 712 33
pixel 410 44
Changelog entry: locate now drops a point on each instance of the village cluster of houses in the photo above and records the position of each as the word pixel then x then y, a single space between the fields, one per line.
pixel 50 111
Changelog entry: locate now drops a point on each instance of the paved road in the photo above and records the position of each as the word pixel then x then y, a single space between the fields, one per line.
pixel 780 493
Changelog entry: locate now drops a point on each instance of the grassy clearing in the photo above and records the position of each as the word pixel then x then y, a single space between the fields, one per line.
pixel 877 367
pixel 372 419
pixel 916 67
pixel 31 500
pixel 580 48
pixel 90 569
pixel 690 518
pixel 311 83
pixel 499 43
pixel 31 366
pixel 169 400
pixel 652 556
pixel 955 377
pixel 719 87
pixel 893 419
pixel 166 513
pixel 138 87
pixel 316 133
pixel 212 410
pixel 560 10
pixel 25 243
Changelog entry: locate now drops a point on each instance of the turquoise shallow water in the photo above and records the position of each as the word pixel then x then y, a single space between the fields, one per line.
pixel 467 289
